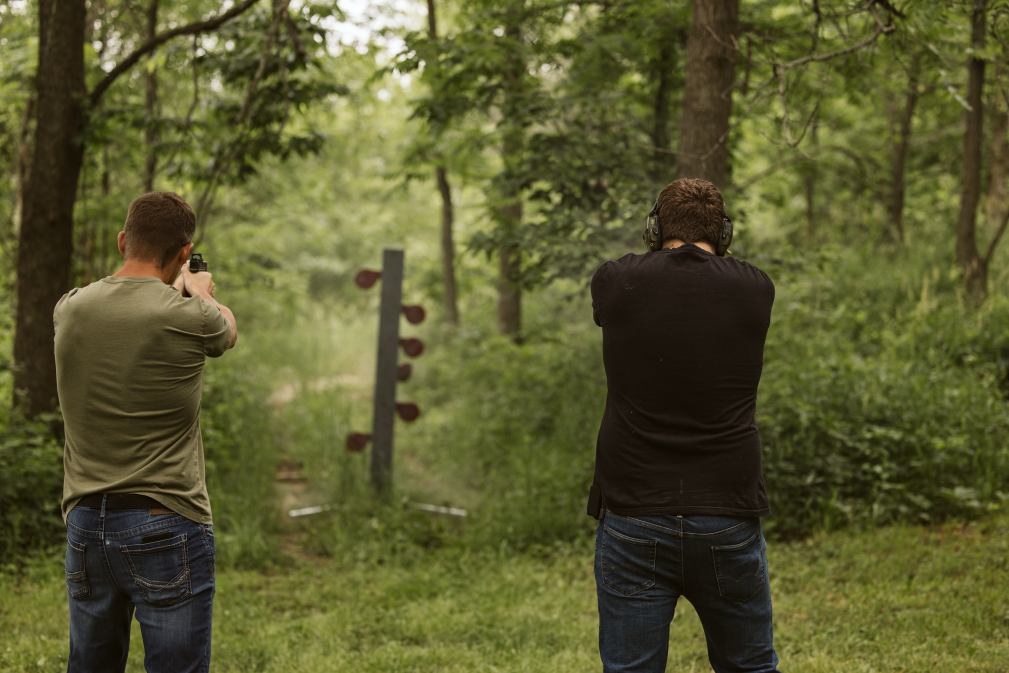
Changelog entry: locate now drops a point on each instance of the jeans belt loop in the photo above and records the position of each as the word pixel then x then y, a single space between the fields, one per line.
pixel 101 515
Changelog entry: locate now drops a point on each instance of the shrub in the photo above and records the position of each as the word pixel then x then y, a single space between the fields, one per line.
pixel 31 485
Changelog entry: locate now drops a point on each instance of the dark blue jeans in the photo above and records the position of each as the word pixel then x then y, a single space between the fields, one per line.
pixel 169 582
pixel 644 564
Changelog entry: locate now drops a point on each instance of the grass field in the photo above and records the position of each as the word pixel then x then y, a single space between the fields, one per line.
pixel 892 599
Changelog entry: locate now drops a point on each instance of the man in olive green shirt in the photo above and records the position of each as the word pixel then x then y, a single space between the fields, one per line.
pixel 130 351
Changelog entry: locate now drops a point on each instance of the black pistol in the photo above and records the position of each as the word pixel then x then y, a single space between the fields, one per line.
pixel 196 263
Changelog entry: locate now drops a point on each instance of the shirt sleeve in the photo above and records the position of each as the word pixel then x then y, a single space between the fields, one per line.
pixel 216 331
pixel 58 309
pixel 598 281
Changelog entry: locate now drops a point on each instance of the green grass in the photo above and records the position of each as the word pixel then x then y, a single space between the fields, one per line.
pixel 890 599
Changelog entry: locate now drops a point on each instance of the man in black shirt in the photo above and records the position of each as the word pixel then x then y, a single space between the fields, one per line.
pixel 678 484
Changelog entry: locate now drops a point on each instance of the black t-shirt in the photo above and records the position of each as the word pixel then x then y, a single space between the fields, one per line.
pixel 683 346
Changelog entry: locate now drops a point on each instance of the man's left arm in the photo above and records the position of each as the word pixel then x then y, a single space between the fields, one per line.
pixel 596 288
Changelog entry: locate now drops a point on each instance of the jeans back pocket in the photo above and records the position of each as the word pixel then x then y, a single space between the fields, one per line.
pixel 740 568
pixel 77 574
pixel 160 570
pixel 628 564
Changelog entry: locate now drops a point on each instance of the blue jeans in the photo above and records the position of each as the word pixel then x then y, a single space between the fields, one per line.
pixel 644 564
pixel 111 571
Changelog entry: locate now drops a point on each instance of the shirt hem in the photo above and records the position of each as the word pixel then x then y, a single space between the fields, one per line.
pixel 693 509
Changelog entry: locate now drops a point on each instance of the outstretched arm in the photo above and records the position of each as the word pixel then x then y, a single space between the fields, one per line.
pixel 202 285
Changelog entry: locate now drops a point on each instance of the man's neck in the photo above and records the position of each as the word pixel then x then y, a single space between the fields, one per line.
pixel 139 269
pixel 676 242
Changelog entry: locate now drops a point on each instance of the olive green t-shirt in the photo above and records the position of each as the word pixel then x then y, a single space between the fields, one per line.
pixel 129 368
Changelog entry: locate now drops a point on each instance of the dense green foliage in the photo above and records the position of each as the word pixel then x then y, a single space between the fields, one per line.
pixel 883 395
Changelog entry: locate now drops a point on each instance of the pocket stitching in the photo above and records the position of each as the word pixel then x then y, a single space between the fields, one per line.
pixel 633 540
pixel 183 577
pixel 651 544
pixel 79 576
pixel 718 571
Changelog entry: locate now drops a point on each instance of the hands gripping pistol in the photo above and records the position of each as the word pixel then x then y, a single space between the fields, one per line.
pixel 196 263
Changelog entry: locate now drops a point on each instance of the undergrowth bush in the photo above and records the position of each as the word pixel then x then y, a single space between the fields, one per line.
pixel 241 458
pixel 881 400
pixel 518 424
pixel 31 485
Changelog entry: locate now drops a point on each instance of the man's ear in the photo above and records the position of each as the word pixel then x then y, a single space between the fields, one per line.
pixel 184 254
pixel 122 243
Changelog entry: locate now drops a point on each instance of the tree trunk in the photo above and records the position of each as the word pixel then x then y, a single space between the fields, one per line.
pixel 45 242
pixel 22 168
pixel 660 115
pixel 898 155
pixel 447 248
pixel 998 191
pixel 975 268
pixel 151 100
pixel 447 244
pixel 707 94
pixel 509 304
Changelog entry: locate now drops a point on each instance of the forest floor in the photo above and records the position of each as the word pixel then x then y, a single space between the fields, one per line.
pixel 891 599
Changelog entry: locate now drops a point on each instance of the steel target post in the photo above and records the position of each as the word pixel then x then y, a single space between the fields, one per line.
pixel 383 423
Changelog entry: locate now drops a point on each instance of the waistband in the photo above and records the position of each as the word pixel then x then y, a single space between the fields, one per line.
pixel 119 501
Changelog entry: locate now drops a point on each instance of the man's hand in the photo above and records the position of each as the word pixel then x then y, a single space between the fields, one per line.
pixel 199 284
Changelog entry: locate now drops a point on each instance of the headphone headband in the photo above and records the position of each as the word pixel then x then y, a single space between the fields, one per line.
pixel 653 232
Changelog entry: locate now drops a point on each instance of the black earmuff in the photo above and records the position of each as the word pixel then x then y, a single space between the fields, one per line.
pixel 653 234
pixel 725 240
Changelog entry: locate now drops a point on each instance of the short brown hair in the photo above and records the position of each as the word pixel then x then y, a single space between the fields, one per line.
pixel 692 211
pixel 158 225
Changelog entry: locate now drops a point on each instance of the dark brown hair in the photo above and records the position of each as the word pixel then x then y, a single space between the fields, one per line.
pixel 691 210
pixel 158 225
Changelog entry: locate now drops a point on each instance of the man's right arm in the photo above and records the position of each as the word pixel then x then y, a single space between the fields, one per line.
pixel 201 284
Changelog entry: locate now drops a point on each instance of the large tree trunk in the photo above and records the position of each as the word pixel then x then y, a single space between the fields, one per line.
pixel 660 114
pixel 898 156
pixel 447 244
pixel 998 191
pixel 45 242
pixel 975 268
pixel 151 101
pixel 707 94
pixel 509 303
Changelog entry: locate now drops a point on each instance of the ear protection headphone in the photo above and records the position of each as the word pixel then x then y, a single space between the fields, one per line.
pixel 653 232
